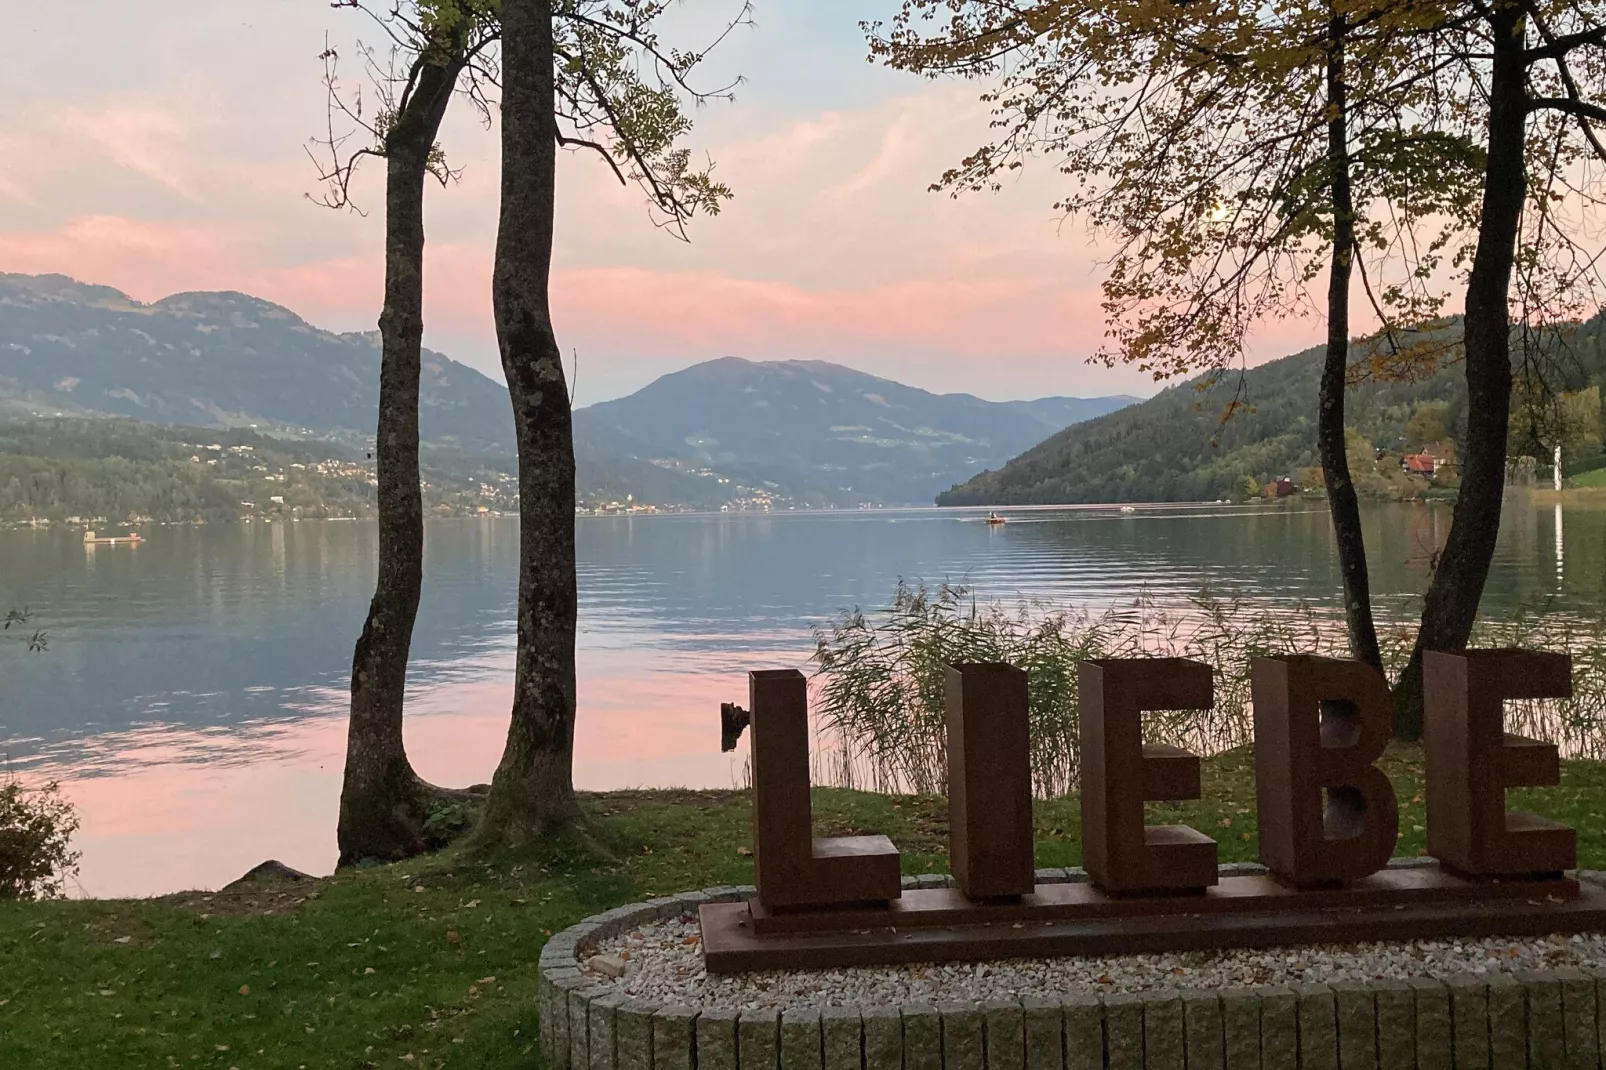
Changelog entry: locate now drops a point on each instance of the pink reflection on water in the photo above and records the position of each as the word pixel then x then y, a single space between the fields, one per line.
pixel 167 807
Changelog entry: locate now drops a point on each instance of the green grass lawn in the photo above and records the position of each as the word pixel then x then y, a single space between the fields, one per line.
pixel 431 963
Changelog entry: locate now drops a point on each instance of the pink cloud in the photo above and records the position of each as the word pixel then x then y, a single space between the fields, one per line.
pixel 625 308
pixel 146 258
pixel 833 247
pixel 142 137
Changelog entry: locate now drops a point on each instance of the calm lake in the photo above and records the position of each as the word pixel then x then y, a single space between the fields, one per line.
pixel 192 698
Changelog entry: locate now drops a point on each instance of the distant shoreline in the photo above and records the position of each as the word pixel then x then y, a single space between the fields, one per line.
pixel 880 510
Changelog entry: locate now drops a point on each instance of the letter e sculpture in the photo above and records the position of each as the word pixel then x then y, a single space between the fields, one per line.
pixel 1120 772
pixel 1472 760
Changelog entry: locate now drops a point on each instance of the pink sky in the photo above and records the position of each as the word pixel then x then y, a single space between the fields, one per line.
pixel 178 165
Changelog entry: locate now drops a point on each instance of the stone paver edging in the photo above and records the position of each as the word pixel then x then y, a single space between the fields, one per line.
pixel 1553 1020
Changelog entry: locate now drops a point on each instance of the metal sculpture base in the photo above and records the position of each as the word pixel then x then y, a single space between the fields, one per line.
pixel 941 925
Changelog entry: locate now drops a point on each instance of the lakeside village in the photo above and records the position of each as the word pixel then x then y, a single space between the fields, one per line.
pixel 247 483
pixel 242 483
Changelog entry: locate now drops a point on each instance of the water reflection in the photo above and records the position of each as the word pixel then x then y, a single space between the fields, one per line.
pixel 1560 558
pixel 192 695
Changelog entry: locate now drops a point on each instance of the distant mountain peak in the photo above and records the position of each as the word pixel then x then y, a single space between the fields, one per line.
pixel 65 288
pixel 217 358
pixel 808 420
pixel 201 303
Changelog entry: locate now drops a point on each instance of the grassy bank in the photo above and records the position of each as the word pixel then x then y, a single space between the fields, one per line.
pixel 1574 494
pixel 431 963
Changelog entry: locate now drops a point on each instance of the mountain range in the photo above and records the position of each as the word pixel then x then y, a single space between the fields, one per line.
pixel 795 421
pixel 218 360
pixel 802 432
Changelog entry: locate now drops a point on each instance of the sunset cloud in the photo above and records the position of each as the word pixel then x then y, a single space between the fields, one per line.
pixel 144 138
pixel 832 248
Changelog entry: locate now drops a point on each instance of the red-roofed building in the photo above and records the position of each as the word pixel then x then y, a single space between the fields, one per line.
pixel 1420 464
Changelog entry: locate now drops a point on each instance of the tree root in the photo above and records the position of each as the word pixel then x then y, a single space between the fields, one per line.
pixel 428 818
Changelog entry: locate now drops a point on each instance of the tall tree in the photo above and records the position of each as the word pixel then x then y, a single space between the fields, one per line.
pixel 1539 69
pixel 1187 129
pixel 1230 150
pixel 572 76
pixel 534 786
pixel 1342 502
pixel 384 804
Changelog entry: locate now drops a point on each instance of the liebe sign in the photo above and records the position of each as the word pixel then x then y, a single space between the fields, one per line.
pixel 1328 823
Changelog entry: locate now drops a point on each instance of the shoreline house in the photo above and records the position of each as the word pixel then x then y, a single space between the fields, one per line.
pixel 1421 464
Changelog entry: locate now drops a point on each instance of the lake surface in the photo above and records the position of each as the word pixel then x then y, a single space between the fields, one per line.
pixel 192 698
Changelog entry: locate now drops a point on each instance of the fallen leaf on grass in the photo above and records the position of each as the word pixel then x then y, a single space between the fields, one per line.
pixel 245 990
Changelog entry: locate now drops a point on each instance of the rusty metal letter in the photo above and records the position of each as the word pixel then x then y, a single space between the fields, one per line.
pixel 1120 772
pixel 791 868
pixel 1320 723
pixel 1472 760
pixel 989 780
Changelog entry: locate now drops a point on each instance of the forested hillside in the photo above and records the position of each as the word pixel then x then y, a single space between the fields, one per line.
pixel 1176 447
pixel 124 470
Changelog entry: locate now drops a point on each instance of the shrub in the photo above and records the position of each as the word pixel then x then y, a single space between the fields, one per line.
pixel 36 829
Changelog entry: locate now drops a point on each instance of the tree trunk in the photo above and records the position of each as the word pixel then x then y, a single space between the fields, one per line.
pixel 383 803
pixel 1451 604
pixel 1341 499
pixel 532 794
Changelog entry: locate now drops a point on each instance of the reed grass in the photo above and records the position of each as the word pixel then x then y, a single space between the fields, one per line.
pixel 879 676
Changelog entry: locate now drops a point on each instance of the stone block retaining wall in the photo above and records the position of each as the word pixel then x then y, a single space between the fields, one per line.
pixel 1532 1021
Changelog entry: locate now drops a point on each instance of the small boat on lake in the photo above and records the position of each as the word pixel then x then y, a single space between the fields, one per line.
pixel 91 539
pixel 994 518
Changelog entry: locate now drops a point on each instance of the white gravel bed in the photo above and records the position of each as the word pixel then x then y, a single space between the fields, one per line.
pixel 663 962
